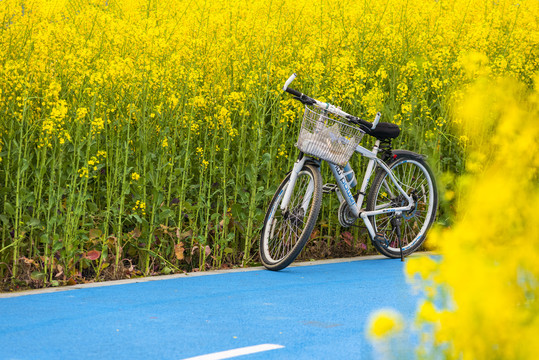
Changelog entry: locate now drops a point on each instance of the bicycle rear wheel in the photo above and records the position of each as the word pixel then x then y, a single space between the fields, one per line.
pixel 417 180
pixel 285 233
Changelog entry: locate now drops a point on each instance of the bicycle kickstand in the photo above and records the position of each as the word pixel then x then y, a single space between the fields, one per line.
pixel 396 223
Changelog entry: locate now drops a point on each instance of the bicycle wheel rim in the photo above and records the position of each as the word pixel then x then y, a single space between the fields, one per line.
pixel 416 180
pixel 284 231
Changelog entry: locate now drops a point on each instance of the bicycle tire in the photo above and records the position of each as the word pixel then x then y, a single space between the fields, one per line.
pixel 285 233
pixel 417 179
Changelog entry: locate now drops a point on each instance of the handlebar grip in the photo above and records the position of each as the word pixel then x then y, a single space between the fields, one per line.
pixel 359 121
pixel 293 92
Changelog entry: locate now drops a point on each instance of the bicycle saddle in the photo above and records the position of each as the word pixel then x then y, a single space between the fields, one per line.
pixel 385 131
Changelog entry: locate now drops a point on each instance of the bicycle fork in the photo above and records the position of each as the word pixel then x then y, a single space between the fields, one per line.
pixel 298 165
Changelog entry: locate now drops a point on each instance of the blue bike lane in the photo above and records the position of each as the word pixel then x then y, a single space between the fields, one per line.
pixel 302 312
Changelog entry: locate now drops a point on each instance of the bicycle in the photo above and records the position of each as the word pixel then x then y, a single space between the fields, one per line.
pixel 401 203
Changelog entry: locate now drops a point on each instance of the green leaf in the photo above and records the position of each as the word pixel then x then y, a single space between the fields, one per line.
pixel 37 275
pixel 95 233
pixel 92 207
pixel 9 208
pixel 167 213
pixel 34 222
pixel 4 219
pixel 45 238
pixel 265 159
pixel 57 246
pixel 237 210
pixel 270 191
pixel 25 165
pixel 251 173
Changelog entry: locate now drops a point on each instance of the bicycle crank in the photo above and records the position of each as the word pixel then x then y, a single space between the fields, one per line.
pixel 346 217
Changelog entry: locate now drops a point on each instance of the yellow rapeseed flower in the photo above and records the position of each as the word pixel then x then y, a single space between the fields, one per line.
pixel 384 323
pixel 83 172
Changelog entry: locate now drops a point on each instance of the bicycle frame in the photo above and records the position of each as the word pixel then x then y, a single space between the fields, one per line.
pixel 342 183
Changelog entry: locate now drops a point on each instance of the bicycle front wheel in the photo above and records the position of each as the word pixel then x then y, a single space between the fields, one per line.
pixel 416 179
pixel 285 233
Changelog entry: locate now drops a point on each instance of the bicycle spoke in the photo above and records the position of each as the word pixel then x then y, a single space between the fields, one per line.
pixel 407 234
pixel 386 186
pixel 384 223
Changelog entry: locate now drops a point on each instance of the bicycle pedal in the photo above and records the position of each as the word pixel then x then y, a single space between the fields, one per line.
pixel 327 188
pixel 381 239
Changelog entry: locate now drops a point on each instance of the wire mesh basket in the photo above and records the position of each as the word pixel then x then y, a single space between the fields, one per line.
pixel 323 135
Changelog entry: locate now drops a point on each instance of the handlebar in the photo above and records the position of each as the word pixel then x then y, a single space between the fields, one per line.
pixel 297 95
pixel 293 92
pixel 365 125
pixel 290 79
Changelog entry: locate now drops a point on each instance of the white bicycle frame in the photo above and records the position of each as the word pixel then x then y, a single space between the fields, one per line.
pixel 355 205
pixel 344 192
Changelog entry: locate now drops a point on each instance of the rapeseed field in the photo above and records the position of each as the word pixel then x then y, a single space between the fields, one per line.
pixel 147 137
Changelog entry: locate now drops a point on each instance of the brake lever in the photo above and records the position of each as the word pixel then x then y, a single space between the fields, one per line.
pixel 376 120
pixel 357 121
pixel 305 101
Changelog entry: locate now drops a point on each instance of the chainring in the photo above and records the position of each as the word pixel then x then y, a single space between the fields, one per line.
pixel 346 217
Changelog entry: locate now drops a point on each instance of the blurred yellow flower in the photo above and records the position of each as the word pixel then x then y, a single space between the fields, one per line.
pixel 383 323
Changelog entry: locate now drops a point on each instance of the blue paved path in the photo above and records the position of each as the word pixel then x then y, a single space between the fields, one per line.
pixel 313 312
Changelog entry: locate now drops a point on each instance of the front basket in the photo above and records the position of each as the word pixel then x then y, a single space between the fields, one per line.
pixel 327 137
